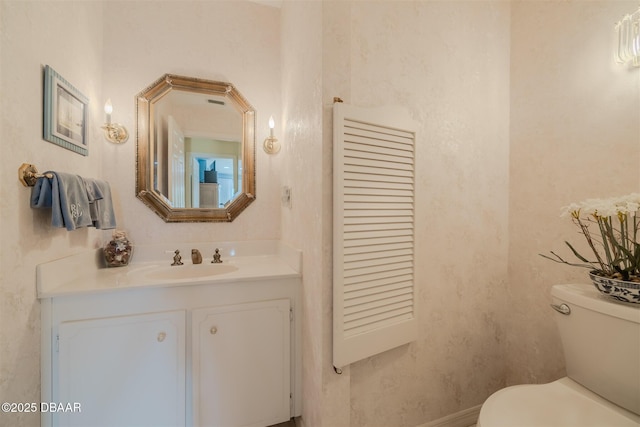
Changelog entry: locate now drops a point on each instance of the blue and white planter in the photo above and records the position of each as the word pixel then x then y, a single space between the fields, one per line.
pixel 618 289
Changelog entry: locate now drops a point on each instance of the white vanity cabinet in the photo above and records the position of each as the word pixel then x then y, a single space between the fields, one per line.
pixel 241 367
pixel 127 370
pixel 195 355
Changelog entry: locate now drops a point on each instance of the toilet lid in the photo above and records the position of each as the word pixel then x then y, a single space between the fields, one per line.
pixel 562 403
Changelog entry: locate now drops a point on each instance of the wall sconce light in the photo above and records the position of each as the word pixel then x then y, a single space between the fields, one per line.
pixel 271 143
pixel 628 46
pixel 114 132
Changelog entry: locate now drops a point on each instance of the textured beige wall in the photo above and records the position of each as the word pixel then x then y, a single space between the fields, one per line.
pixel 235 41
pixel 302 152
pixel 31 36
pixel 504 99
pixel 448 63
pixel 307 224
pixel 575 133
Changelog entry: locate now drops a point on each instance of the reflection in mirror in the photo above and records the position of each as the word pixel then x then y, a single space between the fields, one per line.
pixel 201 135
pixel 196 149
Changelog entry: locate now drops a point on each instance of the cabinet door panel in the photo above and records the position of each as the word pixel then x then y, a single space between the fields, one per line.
pixel 241 370
pixel 124 371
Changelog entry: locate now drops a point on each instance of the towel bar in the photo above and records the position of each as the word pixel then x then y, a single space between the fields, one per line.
pixel 28 175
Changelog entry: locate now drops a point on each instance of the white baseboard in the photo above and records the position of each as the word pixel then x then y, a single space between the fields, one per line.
pixel 466 418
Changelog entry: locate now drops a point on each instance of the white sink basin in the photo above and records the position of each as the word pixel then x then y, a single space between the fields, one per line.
pixel 187 271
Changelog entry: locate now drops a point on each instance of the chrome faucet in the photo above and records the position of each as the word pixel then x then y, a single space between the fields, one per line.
pixel 196 257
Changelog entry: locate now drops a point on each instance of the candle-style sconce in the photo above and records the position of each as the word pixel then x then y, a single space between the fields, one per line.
pixel 271 143
pixel 114 132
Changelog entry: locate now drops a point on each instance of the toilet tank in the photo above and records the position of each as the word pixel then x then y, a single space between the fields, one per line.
pixel 601 343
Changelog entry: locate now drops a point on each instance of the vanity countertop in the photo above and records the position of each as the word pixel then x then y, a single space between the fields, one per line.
pixel 84 273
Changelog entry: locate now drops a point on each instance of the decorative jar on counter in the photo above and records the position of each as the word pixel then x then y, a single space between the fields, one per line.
pixel 117 252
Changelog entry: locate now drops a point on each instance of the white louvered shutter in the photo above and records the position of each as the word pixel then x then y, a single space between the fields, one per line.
pixel 373 231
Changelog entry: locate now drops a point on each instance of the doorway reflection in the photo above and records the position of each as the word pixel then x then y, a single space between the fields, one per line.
pixel 214 173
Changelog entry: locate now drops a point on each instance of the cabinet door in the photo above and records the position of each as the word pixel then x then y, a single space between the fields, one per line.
pixel 123 371
pixel 241 364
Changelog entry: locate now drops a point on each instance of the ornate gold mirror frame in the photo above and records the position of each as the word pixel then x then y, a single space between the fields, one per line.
pixel 145 138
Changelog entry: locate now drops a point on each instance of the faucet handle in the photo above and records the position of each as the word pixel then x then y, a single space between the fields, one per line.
pixel 216 257
pixel 177 259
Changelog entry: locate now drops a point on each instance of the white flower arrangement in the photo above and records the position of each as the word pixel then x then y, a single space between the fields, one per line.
pixel 614 243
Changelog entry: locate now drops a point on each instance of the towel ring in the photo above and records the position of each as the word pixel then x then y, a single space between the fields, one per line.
pixel 28 175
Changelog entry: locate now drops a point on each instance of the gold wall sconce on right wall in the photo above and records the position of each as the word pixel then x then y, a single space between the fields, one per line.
pixel 628 43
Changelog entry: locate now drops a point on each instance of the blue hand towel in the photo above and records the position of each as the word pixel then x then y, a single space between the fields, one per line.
pixel 66 195
pixel 69 202
pixel 93 191
pixel 75 201
pixel 100 204
pixel 41 194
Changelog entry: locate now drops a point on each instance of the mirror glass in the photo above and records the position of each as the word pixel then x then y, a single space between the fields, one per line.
pixel 196 149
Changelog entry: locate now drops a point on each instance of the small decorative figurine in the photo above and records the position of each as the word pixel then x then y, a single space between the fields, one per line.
pixel 216 257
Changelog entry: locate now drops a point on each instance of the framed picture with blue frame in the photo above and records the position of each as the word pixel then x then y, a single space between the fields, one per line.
pixel 65 113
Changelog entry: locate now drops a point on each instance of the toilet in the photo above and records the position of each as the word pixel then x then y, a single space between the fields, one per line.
pixel 601 343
